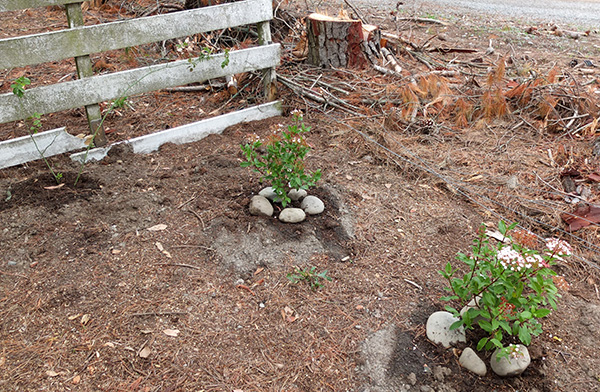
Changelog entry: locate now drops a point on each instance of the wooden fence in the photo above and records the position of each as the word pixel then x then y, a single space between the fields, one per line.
pixel 80 41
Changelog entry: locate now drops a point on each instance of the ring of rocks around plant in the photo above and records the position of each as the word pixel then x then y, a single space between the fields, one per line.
pixel 263 205
pixel 439 332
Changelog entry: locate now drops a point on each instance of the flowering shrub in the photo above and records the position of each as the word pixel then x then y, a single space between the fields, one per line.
pixel 510 286
pixel 283 162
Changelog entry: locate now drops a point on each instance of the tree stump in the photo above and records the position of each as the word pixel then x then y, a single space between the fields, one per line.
pixel 337 42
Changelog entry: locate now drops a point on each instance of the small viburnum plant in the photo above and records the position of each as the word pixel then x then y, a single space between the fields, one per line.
pixel 508 287
pixel 282 164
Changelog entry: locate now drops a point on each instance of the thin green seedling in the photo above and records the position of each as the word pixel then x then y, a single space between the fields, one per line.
pixel 113 105
pixel 18 88
pixel 205 54
pixel 310 276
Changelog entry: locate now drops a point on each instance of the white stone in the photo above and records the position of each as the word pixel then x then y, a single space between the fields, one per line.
pixel 260 205
pixel 471 361
pixel 438 329
pixel 268 192
pixel 312 205
pixel 473 304
pixel 292 215
pixel 512 182
pixel 513 365
pixel 297 194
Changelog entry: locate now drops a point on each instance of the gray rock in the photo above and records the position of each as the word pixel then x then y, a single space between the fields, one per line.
pixel 260 205
pixel 412 379
pixel 439 372
pixel 268 193
pixel 513 365
pixel 292 215
pixel 297 194
pixel 438 329
pixel 471 361
pixel 473 304
pixel 512 182
pixel 312 205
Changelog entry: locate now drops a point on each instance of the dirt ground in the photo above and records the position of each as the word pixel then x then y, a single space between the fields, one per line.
pixel 95 298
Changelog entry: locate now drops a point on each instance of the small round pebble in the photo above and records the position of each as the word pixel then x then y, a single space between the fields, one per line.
pixel 297 194
pixel 514 364
pixel 292 215
pixel 438 329
pixel 269 193
pixel 471 361
pixel 312 205
pixel 260 205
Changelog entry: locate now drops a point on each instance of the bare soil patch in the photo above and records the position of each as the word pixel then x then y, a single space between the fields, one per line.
pixel 90 302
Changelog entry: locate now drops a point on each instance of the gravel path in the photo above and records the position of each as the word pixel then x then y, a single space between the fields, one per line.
pixel 579 13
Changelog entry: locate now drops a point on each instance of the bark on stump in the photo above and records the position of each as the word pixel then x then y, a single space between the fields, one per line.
pixel 334 42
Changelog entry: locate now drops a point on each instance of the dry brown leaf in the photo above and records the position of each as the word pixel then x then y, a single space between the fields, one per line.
pixel 171 332
pixel 135 385
pixel 288 314
pixel 158 227
pixel 51 373
pixel 76 379
pixel 145 353
pixel 85 319
pixel 2 361
pixel 159 246
pixel 74 317
pixel 259 270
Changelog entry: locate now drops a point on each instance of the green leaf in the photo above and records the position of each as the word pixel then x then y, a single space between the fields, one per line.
pixel 456 325
pixel 448 269
pixel 524 336
pixel 481 344
pixel 502 227
pixel 505 326
pixel 485 325
pixel 495 324
pixel 449 298
pixel 526 315
pixel 539 313
pixel 496 343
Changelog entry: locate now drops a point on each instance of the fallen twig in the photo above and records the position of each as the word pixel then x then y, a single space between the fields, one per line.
pixel 199 218
pixel 362 18
pixel 187 201
pixel 303 91
pixel 389 57
pixel 154 9
pixel 413 283
pixel 385 71
pixel 424 20
pixel 179 265
pixel 157 314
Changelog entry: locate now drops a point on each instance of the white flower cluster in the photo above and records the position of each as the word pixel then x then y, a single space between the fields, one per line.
pixel 515 351
pixel 297 114
pixel 512 260
pixel 558 248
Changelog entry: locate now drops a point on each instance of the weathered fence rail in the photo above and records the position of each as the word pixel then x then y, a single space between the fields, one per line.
pixel 80 41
